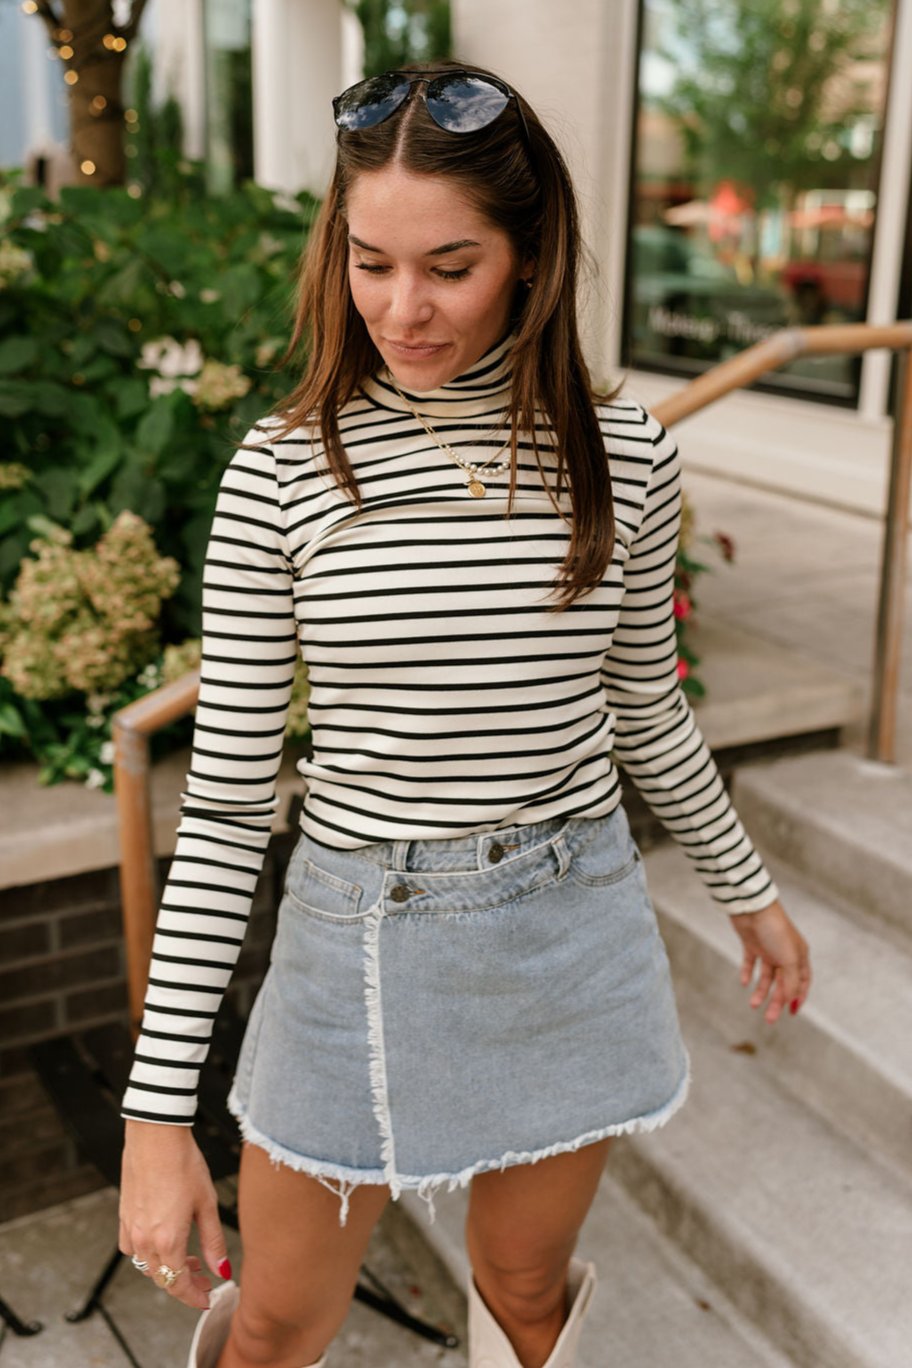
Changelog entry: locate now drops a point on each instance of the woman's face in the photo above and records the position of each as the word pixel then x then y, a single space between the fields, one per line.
pixel 431 277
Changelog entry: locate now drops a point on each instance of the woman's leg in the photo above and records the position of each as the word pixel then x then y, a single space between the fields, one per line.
pixel 300 1266
pixel 521 1230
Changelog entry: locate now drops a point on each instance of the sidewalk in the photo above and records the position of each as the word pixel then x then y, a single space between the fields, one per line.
pixel 804 577
pixel 49 1260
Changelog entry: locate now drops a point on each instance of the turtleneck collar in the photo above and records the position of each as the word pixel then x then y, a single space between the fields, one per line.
pixel 481 389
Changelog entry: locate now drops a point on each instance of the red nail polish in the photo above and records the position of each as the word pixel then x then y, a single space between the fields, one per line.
pixel 224 1268
pixel 794 1006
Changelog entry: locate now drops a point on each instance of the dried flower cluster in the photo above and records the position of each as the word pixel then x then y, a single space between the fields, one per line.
pixel 85 620
pixel 14 262
pixel 13 475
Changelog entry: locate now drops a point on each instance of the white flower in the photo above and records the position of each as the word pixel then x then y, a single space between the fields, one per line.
pixel 169 358
pixel 210 296
pixel 149 676
pixel 106 755
pixel 158 385
pixel 97 701
pixel 95 720
pixel 177 289
pixel 94 779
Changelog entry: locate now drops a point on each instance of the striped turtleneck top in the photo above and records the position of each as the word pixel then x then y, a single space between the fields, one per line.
pixel 444 698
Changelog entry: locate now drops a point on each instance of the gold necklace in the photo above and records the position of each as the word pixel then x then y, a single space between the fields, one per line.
pixel 472 469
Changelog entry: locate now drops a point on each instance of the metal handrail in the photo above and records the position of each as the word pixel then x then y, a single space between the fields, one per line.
pixel 133 725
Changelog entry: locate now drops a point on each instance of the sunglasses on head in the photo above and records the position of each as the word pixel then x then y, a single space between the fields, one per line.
pixel 459 101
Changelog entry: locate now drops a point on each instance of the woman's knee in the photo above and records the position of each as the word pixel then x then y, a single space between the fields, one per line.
pixel 260 1339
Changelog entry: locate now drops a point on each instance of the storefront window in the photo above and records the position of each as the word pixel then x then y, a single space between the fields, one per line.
pixel 757 142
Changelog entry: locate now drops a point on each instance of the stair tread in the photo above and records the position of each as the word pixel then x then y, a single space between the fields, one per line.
pixel 802 1205
pixel 861 992
pixel 867 802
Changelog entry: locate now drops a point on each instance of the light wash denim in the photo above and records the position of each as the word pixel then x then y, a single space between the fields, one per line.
pixel 437 1008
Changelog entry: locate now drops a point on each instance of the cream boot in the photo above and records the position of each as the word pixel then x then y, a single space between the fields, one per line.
pixel 213 1326
pixel 489 1346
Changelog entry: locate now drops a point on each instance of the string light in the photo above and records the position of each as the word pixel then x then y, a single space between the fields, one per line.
pixel 87 167
pixel 131 115
pixel 134 324
pixel 119 44
pixel 71 77
pixel 29 7
pixel 65 35
pixel 66 52
pixel 108 40
pixel 98 104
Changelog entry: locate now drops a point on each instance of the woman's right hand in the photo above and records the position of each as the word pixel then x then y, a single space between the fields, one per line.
pixel 165 1185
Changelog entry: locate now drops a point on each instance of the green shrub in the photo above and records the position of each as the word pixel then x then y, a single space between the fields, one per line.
pixel 137 342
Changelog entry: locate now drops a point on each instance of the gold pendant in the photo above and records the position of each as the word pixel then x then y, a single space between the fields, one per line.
pixel 477 488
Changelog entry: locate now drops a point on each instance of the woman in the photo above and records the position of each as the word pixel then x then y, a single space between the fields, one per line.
pixel 475 554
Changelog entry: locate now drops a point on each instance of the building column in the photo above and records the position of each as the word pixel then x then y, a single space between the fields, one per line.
pixel 175 29
pixel 297 69
pixel 575 64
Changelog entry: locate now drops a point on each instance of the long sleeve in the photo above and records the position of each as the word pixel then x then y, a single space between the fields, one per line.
pixel 657 738
pixel 249 654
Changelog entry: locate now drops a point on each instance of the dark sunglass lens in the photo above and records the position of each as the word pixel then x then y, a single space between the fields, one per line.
pixel 370 102
pixel 463 104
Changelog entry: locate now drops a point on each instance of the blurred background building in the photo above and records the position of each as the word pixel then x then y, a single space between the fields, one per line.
pixel 741 168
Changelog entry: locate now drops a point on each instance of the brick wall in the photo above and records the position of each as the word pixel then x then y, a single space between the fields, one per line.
pixel 62 967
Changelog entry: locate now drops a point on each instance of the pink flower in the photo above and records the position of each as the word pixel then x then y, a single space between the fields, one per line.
pixel 682 605
pixel 683 668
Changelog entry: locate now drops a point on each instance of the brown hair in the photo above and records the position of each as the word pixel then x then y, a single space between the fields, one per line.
pixel 533 202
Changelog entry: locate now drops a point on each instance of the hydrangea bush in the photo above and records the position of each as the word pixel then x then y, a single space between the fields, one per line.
pixel 137 345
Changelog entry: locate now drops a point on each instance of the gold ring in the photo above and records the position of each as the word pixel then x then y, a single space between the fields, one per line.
pixel 167 1277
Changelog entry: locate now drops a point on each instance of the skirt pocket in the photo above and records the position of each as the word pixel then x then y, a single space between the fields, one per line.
pixel 604 854
pixel 319 893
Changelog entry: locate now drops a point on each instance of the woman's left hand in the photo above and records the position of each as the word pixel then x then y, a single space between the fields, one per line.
pixel 772 938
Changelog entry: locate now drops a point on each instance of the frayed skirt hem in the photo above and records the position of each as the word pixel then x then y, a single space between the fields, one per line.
pixel 348 1178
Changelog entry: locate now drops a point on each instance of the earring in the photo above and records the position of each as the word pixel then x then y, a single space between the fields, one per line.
pixel 527 281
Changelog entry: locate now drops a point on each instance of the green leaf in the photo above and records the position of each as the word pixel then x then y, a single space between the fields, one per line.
pixel 153 433
pixel 82 350
pixel 15 399
pixel 130 395
pixel 108 451
pixel 84 521
pixel 51 400
pixel 16 354
pixel 112 337
pixel 59 487
pixel 141 493
pixel 28 198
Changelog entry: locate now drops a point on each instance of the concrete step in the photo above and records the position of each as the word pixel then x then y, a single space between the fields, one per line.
pixel 842 820
pixel 652 1307
pixel 762 690
pixel 847 1053
pixel 806 1233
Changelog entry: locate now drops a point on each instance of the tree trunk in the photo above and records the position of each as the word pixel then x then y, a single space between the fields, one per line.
pixel 96 138
pixel 95 98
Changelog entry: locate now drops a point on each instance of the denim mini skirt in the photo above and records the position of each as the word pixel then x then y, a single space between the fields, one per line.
pixel 435 1008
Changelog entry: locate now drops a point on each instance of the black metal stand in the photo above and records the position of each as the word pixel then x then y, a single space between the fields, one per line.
pixel 18 1327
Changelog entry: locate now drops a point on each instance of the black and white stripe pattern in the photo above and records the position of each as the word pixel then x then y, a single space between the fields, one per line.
pixel 444 698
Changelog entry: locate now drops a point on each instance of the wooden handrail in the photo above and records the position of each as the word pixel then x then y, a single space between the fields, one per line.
pixel 132 725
